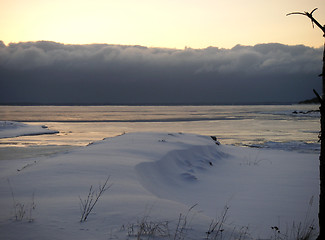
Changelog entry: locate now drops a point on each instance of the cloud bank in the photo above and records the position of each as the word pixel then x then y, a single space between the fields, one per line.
pixel 53 73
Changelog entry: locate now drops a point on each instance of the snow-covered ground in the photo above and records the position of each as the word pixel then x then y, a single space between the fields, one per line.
pixel 156 182
pixel 15 129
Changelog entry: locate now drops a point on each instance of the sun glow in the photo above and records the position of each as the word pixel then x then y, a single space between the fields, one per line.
pixel 171 24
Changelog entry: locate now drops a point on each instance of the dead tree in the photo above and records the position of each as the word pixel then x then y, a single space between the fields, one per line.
pixel 321 99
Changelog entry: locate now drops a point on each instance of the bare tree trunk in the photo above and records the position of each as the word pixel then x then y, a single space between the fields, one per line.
pixel 321 213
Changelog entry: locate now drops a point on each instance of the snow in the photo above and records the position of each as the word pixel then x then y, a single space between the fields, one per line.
pixel 15 129
pixel 154 178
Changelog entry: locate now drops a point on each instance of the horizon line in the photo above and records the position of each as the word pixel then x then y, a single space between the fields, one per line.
pixel 153 47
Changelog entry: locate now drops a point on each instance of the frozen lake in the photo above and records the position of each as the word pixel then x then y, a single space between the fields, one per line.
pixel 288 127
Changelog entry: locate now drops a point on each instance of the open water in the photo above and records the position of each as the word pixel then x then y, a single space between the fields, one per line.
pixel 287 127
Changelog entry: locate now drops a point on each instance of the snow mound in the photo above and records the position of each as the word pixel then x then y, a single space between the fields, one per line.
pixel 15 129
pixel 178 168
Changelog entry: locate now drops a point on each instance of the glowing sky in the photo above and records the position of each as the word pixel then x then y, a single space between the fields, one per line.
pixel 161 23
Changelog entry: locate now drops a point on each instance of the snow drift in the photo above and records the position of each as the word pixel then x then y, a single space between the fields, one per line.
pixel 156 177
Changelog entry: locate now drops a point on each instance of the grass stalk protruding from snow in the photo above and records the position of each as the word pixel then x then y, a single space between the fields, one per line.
pixel 87 205
pixel 22 210
pixel 216 227
pixel 302 231
pixel 183 225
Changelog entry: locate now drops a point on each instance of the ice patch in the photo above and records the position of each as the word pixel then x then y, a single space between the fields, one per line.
pixel 15 129
pixel 298 146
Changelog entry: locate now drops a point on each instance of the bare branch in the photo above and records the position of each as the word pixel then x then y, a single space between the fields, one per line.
pixel 296 13
pixel 313 11
pixel 313 20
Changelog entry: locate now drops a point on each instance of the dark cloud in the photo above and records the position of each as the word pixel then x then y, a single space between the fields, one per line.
pixel 49 72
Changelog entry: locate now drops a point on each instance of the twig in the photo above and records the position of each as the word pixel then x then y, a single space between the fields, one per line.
pixel 89 203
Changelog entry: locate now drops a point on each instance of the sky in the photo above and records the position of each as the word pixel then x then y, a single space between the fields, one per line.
pixel 161 23
pixel 159 52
